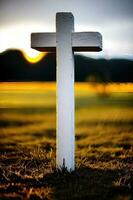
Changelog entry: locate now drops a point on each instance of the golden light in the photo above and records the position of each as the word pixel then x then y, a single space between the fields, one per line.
pixel 18 37
pixel 33 56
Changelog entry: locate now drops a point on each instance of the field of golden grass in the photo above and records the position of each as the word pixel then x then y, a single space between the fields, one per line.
pixel 104 142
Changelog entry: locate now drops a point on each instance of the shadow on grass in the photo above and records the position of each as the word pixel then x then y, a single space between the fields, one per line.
pixel 87 183
pixel 84 183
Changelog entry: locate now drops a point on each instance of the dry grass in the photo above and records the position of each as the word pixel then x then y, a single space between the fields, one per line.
pixel 104 145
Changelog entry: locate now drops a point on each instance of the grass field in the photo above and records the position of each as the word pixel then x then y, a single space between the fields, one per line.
pixel 104 143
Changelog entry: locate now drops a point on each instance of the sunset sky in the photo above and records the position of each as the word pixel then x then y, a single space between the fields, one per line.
pixel 113 18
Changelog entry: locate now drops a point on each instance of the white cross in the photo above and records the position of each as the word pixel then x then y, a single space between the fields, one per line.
pixel 64 42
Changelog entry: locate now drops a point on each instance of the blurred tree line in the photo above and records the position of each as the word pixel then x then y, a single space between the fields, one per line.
pixel 14 67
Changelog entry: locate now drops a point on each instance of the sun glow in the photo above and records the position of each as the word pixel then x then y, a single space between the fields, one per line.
pixel 33 56
pixel 18 37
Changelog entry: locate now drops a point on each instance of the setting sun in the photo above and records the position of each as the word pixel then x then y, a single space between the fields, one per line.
pixel 33 56
pixel 15 37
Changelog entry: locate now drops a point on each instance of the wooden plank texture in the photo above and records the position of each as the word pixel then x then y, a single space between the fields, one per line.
pixel 65 149
pixel 81 41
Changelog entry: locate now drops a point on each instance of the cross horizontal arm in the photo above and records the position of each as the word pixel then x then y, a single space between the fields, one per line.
pixel 86 41
pixel 81 41
pixel 43 41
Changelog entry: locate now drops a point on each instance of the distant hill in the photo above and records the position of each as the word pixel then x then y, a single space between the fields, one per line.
pixel 14 67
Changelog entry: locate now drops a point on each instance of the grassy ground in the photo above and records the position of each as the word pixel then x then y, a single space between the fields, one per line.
pixel 104 143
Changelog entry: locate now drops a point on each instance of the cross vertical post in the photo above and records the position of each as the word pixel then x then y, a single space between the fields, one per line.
pixel 65 91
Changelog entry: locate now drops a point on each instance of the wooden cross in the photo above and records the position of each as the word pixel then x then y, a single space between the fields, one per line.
pixel 64 42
